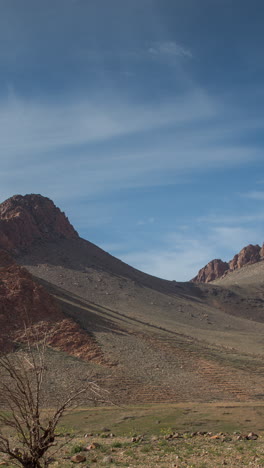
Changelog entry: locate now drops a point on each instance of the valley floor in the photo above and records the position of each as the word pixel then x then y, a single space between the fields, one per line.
pixel 196 452
pixel 180 435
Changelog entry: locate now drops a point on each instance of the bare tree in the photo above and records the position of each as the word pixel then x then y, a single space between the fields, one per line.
pixel 22 396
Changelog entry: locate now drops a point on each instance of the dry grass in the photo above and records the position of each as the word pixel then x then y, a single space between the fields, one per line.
pixel 199 451
pixel 152 424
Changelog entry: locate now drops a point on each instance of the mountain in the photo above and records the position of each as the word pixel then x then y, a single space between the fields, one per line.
pixel 217 268
pixel 151 339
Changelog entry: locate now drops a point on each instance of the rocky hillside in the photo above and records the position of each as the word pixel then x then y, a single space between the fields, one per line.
pixel 27 219
pixel 144 338
pixel 26 305
pixel 217 268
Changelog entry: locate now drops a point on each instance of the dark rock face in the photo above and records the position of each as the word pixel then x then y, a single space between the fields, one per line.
pixel 217 268
pixel 213 270
pixel 30 218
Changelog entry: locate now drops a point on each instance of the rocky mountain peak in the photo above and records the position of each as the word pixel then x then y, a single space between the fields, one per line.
pixel 30 218
pixel 213 270
pixel 248 255
pixel 217 268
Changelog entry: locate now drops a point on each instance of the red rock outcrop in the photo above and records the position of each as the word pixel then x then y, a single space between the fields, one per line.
pixel 30 218
pixel 213 270
pixel 217 268
pixel 248 255
pixel 24 304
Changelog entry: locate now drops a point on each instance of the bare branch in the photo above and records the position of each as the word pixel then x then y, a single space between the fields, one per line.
pixel 22 394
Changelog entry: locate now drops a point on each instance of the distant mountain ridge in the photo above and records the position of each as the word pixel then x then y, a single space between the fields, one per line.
pixel 217 268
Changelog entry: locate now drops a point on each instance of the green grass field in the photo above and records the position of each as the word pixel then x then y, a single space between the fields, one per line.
pixel 158 419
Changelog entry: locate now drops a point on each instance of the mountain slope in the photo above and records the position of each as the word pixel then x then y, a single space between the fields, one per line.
pixel 163 340
pixel 26 305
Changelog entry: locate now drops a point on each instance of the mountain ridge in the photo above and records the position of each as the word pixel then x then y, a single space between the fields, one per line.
pixel 216 268
pixel 154 340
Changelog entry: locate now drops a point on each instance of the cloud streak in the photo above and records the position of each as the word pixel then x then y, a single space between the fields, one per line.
pixel 96 146
pixel 182 255
pixel 28 125
pixel 169 49
pixel 254 195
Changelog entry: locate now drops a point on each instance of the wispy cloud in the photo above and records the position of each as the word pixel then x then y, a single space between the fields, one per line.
pixel 169 49
pixel 95 146
pixel 143 222
pixel 234 219
pixel 182 255
pixel 30 126
pixel 254 195
pixel 234 237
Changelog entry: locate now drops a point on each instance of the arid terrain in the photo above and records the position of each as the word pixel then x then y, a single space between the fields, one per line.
pixel 143 338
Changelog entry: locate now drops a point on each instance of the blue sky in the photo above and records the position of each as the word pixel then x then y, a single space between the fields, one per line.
pixel 143 120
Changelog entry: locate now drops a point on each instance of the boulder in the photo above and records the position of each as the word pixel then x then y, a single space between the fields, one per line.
pixel 78 458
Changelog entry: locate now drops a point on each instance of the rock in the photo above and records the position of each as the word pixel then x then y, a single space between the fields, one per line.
pixel 217 268
pixel 93 446
pixel 22 298
pixel 213 270
pixel 248 255
pixel 78 458
pixel 106 460
pixel 27 219
pixel 216 436
pixel 176 435
pixel 252 436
